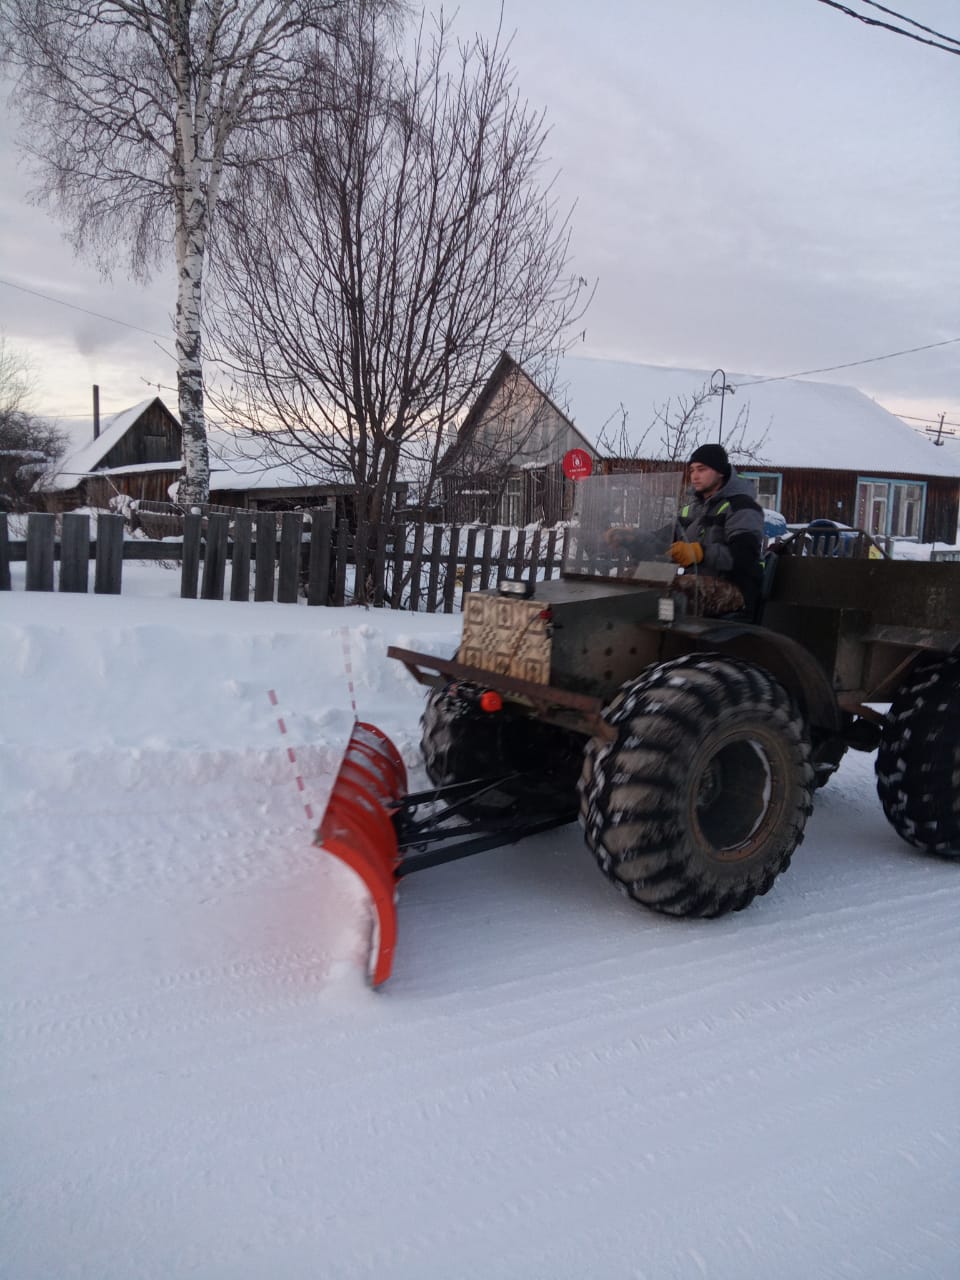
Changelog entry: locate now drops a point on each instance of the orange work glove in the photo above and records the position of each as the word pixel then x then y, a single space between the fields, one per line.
pixel 686 553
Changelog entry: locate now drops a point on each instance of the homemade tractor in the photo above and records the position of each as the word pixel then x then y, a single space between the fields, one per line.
pixel 689 747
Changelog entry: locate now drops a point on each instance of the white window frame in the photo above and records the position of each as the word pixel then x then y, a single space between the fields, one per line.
pixel 756 477
pixel 511 502
pixel 890 494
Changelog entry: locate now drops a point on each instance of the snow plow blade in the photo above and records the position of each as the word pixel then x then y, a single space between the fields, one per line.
pixel 357 827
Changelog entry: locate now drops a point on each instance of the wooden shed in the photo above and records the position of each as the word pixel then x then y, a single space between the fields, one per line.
pixel 137 453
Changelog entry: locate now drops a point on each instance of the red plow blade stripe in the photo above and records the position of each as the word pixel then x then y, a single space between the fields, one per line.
pixel 356 828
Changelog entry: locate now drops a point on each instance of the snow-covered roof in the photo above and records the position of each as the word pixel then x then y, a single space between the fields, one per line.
pixel 82 461
pixel 241 461
pixel 807 424
pixel 249 462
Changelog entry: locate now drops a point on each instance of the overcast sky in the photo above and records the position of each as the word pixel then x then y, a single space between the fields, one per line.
pixel 761 185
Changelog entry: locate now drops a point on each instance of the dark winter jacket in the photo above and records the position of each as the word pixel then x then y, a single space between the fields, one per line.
pixel 729 527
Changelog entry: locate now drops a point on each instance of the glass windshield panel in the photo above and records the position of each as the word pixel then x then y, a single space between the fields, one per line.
pixel 644 506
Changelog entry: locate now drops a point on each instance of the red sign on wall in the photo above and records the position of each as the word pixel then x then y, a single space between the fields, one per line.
pixel 577 464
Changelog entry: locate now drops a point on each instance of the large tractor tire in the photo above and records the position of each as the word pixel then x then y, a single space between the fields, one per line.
pixel 698 804
pixel 458 741
pixel 918 761
pixel 461 743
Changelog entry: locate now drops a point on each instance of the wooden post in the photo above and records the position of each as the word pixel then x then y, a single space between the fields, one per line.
pixel 504 553
pixel 450 577
pixel 240 560
pixel 380 567
pixel 534 557
pixel 41 535
pixel 416 562
pixel 468 563
pixel 108 571
pixel 399 551
pixel 486 558
pixel 190 566
pixel 318 574
pixel 74 552
pixel 4 553
pixel 518 553
pixel 436 547
pixel 215 558
pixel 288 586
pixel 360 560
pixel 343 542
pixel 266 555
pixel 551 555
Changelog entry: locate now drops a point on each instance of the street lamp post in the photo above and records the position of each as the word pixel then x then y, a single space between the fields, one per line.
pixel 723 388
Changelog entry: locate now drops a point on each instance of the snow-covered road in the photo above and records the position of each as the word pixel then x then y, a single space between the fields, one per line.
pixel 197 1083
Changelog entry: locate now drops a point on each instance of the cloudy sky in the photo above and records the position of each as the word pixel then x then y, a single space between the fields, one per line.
pixel 761 185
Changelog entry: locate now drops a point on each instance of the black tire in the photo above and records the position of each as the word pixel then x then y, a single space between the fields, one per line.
pixel 918 761
pixel 461 743
pixel 698 804
pixel 826 758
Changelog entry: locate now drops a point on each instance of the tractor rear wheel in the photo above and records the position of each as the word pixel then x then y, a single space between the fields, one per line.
pixel 918 762
pixel 698 804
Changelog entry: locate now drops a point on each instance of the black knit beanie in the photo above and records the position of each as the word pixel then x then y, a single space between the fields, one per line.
pixel 715 456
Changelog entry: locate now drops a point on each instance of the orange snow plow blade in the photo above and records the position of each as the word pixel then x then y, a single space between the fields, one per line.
pixel 357 828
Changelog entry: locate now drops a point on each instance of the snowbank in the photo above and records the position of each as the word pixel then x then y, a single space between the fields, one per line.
pixel 195 1081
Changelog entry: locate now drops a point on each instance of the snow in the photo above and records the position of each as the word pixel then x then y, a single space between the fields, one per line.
pixel 804 423
pixel 196 1081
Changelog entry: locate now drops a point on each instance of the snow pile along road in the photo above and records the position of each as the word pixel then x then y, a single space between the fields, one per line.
pixel 196 1082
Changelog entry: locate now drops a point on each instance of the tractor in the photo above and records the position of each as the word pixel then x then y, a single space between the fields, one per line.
pixel 689 747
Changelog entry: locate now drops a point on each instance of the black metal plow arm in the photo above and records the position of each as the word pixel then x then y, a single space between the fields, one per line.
pixel 527 810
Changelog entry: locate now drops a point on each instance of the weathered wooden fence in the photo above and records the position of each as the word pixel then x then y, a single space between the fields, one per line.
pixel 287 556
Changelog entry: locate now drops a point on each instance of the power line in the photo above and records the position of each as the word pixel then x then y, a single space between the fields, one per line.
pixel 952 47
pixel 907 417
pixel 912 21
pixel 164 337
pixel 851 364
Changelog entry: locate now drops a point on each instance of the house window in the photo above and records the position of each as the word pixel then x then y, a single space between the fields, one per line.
pixel 891 507
pixel 766 488
pixel 511 504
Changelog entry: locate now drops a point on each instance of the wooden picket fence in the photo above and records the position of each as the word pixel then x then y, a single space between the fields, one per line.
pixel 287 556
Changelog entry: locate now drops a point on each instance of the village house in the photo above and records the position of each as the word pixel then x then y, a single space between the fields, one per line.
pixel 814 450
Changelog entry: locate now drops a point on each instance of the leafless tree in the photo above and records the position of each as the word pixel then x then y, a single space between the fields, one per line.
pixel 370 275
pixel 679 425
pixel 132 111
pixel 30 446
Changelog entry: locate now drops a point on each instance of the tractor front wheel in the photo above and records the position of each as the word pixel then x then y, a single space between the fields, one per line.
pixel 461 743
pixel 699 802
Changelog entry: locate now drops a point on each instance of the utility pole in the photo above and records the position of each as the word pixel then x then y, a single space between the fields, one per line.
pixel 938 431
pixel 721 391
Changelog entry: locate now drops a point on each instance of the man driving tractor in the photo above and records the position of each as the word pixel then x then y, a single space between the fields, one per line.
pixel 717 538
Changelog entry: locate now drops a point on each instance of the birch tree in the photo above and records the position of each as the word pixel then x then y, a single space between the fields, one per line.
pixel 132 111
pixel 370 275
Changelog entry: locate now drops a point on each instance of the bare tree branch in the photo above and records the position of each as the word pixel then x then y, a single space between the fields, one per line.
pixel 678 427
pixel 133 110
pixel 398 239
pixel 30 446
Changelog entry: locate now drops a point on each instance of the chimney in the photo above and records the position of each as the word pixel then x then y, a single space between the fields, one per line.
pixel 96 411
